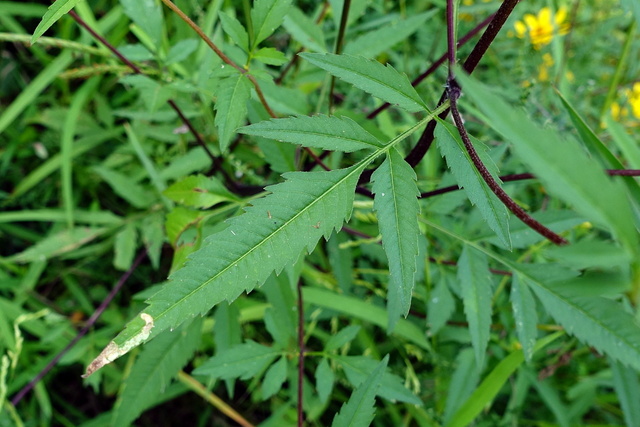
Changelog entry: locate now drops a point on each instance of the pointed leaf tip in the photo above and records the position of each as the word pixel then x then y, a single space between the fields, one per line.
pixel 114 351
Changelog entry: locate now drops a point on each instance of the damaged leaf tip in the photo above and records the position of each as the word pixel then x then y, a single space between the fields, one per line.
pixel 113 350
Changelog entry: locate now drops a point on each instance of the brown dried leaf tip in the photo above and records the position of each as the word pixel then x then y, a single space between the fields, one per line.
pixel 113 350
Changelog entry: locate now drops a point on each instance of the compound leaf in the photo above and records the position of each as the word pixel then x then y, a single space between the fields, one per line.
pixel 396 203
pixel 269 236
pixel 371 76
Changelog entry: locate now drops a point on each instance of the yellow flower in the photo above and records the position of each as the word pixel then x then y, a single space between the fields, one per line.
pixel 543 27
pixel 621 112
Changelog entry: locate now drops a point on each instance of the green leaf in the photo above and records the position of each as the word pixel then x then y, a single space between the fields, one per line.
pixel 55 12
pixel 269 236
pixel 627 386
pixel 125 247
pixel 341 338
pixel 359 410
pixel 468 177
pixel 463 382
pixel 234 29
pixel 356 308
pixel 266 16
pixel 274 378
pixel 597 321
pixel 358 368
pixel 304 30
pixel 147 15
pixel 525 316
pixel 227 333
pixel 324 380
pixel 153 370
pixel 396 204
pixel 179 220
pixel 561 165
pixel 589 254
pixel 126 187
pixel 371 76
pixel 374 42
pixel 270 55
pixel 476 286
pixel 626 143
pixel 324 132
pixel 153 236
pixel 181 51
pixel 58 244
pixel 241 361
pixel 440 306
pixel 198 191
pixel 590 139
pixel 231 107
pixel 492 384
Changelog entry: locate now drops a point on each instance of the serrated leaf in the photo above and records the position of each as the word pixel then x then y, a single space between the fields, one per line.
pixel 396 204
pixel 468 177
pixel 274 378
pixel 269 236
pixel 359 410
pixel 231 107
pixel 153 370
pixel 475 283
pixel 371 76
pixel 324 132
pixel 374 42
pixel 266 16
pixel 341 338
pixel 304 30
pixel 270 55
pixel 125 247
pixel 241 361
pixel 358 368
pixel 234 29
pixel 325 378
pixel 198 191
pixel 54 12
pixel 597 321
pixel 525 316
pixel 440 306
pixel 561 165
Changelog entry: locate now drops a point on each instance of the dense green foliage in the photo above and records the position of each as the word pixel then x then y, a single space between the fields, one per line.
pixel 246 219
